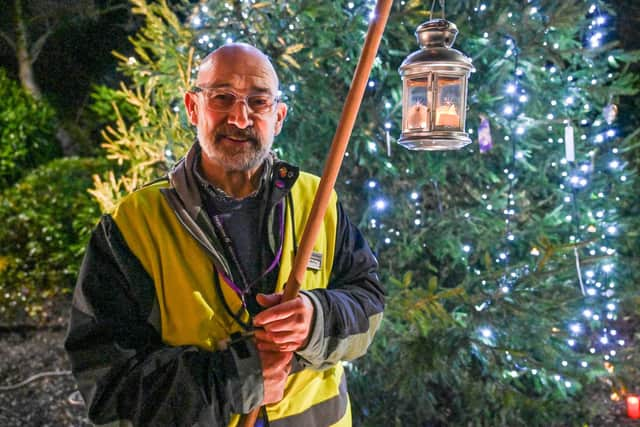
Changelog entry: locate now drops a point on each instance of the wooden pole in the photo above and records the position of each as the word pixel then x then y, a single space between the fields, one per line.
pixel 334 161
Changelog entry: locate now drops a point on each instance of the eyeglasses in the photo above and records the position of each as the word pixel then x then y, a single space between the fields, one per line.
pixel 223 100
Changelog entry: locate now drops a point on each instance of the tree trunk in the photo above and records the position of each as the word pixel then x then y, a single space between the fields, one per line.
pixel 25 65
pixel 27 77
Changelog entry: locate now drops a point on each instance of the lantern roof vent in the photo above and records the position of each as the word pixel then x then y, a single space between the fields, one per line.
pixel 435 38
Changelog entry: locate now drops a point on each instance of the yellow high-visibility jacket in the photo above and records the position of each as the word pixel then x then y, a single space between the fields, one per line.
pixel 148 313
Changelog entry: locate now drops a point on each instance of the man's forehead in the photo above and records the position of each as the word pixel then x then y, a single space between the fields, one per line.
pixel 238 64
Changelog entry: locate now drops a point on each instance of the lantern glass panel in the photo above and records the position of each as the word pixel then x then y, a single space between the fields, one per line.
pixel 418 103
pixel 449 102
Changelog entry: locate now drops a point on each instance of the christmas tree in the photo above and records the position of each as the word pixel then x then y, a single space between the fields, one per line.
pixel 510 263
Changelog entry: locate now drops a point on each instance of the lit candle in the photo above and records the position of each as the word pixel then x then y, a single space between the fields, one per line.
pixel 418 116
pixel 447 115
pixel 633 407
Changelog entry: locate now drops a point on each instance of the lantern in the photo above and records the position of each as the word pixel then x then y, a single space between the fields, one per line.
pixel 434 95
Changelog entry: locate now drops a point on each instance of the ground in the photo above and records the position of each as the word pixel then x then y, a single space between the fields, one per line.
pixel 46 400
pixel 27 349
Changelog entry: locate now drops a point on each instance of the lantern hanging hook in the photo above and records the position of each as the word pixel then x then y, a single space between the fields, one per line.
pixel 433 4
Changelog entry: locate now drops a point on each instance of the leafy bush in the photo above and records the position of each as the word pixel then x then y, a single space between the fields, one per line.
pixel 27 132
pixel 45 222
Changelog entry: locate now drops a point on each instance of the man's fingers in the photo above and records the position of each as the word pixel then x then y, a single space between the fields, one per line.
pixel 279 337
pixel 268 300
pixel 277 312
pixel 269 346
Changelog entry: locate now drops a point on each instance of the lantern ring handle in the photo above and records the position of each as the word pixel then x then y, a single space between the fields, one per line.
pixel 433 3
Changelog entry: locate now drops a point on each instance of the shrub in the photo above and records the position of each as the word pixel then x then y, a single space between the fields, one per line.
pixel 27 132
pixel 45 222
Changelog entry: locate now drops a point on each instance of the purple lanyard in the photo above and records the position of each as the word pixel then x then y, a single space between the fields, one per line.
pixel 273 265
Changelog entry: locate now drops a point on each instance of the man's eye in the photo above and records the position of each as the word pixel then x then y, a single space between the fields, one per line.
pixel 223 97
pixel 259 101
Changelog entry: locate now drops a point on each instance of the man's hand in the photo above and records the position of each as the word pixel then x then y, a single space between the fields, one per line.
pixel 285 326
pixel 275 370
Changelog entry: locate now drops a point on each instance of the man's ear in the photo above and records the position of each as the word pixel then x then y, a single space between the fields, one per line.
pixel 191 106
pixel 281 113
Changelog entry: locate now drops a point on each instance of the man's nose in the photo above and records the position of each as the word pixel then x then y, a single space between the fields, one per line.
pixel 239 115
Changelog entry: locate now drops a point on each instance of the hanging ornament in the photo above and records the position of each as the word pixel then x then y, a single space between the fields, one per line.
pixel 579 270
pixel 569 149
pixel 610 113
pixel 484 134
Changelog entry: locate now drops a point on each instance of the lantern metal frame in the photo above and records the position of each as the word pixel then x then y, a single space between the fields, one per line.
pixel 434 61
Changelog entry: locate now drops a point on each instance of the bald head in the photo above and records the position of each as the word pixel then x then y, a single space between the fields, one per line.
pixel 240 58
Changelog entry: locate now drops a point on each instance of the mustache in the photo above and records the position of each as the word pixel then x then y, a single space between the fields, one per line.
pixel 231 131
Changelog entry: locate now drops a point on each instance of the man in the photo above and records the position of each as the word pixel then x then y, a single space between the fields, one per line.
pixel 177 278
